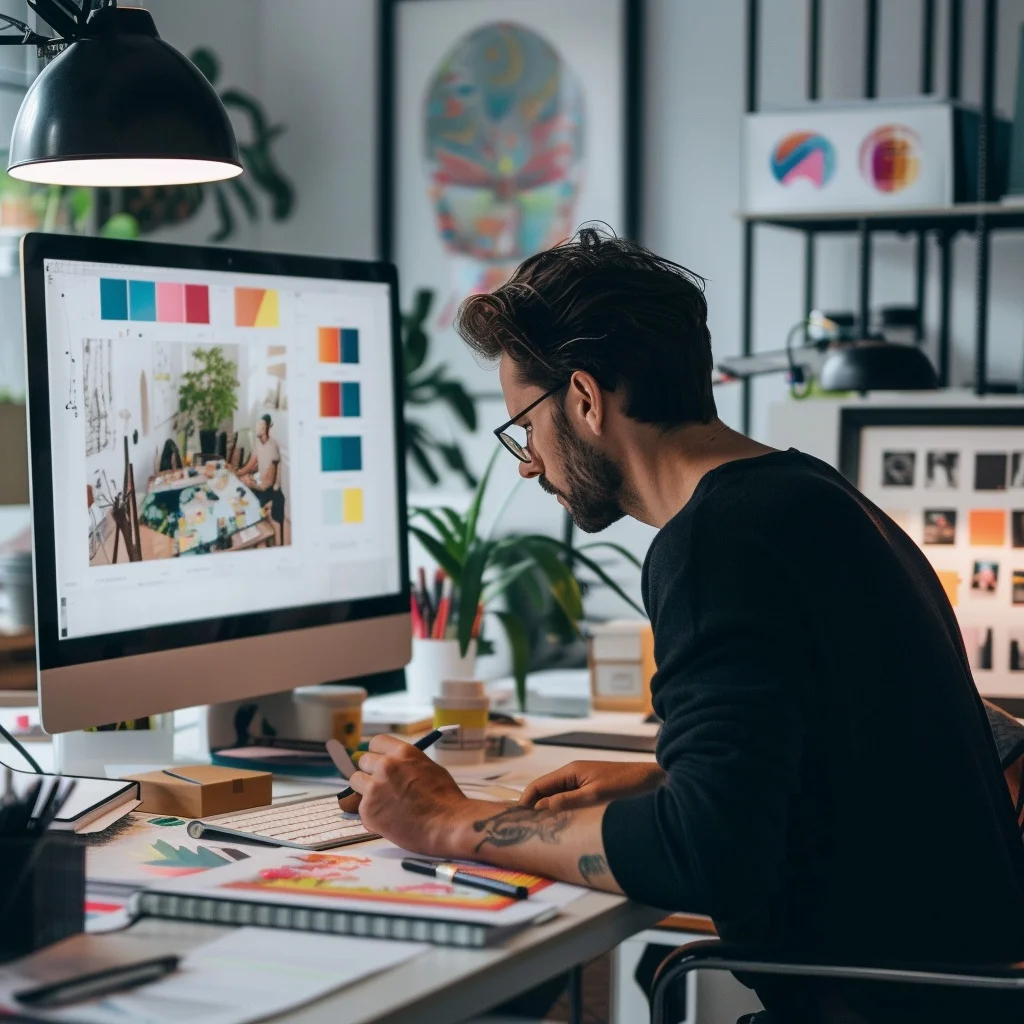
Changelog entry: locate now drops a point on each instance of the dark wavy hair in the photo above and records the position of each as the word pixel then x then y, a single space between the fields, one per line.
pixel 608 306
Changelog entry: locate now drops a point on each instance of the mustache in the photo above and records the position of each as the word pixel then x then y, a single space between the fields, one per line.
pixel 548 487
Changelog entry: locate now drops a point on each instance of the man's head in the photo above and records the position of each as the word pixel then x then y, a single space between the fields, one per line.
pixel 621 334
pixel 263 425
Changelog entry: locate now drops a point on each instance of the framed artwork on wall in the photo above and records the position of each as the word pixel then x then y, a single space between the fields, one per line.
pixel 953 479
pixel 505 124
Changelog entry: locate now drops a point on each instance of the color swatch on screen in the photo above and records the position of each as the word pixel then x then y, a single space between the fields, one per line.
pixel 341 454
pixel 987 527
pixel 257 307
pixel 344 506
pixel 338 344
pixel 339 398
pixel 154 301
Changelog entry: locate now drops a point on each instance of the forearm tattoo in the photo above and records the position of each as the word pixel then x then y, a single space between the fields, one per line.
pixel 590 865
pixel 521 824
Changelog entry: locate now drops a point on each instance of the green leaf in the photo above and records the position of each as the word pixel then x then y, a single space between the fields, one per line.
pixel 497 586
pixel 206 61
pixel 520 646
pixel 470 587
pixel 457 462
pixel 415 349
pixel 439 553
pixel 473 515
pixel 246 199
pixel 564 587
pixel 450 540
pixel 455 396
pixel 421 304
pixel 596 569
pixel 121 225
pixel 419 455
pixel 618 548
pixel 455 521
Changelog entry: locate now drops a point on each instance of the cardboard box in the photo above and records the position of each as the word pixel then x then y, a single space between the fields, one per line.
pixel 215 790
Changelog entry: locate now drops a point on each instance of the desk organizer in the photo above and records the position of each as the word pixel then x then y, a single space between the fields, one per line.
pixel 42 899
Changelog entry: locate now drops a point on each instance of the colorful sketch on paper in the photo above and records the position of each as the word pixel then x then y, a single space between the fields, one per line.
pixel 505 144
pixel 364 878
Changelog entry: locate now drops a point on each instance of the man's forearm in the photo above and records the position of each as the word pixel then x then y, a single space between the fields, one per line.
pixel 566 845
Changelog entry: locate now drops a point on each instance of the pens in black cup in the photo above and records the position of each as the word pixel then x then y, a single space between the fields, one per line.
pixel 423 743
pixel 459 876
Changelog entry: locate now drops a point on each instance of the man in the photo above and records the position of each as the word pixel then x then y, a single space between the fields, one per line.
pixel 826 782
pixel 259 474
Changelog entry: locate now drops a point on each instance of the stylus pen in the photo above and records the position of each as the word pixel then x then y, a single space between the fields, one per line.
pixel 456 875
pixel 97 983
pixel 421 744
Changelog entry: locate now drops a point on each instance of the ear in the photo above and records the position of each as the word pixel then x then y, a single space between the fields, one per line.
pixel 585 404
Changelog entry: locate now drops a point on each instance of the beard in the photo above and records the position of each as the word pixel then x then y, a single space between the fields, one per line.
pixel 594 481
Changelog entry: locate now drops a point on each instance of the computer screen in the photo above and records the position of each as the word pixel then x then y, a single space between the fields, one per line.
pixel 216 456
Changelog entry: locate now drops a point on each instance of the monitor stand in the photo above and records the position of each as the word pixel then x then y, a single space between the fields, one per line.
pixel 89 753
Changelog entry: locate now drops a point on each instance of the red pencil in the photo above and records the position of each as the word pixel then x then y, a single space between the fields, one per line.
pixel 417 619
pixel 478 620
pixel 441 622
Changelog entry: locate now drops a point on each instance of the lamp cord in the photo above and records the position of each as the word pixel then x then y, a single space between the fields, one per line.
pixel 29 759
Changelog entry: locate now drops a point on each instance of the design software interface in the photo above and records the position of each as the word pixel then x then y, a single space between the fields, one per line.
pixel 254 416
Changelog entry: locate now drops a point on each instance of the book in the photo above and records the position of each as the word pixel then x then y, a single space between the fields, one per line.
pixel 362 894
pixel 90 800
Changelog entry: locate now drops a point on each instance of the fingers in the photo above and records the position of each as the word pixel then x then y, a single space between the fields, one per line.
pixel 547 785
pixel 370 763
pixel 359 781
pixel 567 801
pixel 384 744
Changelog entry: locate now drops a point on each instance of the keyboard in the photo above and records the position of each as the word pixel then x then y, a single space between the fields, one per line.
pixel 314 823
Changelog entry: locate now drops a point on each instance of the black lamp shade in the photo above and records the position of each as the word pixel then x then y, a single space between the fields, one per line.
pixel 878 366
pixel 121 107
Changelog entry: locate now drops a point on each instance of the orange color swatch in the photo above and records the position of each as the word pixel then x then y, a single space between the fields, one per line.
pixel 987 527
pixel 330 345
pixel 950 580
pixel 247 306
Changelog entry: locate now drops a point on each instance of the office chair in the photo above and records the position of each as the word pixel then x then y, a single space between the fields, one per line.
pixel 712 955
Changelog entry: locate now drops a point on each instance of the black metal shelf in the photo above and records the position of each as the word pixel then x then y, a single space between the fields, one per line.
pixel 980 218
pixel 961 217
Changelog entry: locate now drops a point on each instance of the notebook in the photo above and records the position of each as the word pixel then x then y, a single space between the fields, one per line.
pixel 345 894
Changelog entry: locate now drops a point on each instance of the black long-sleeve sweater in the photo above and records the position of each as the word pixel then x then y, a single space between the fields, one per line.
pixel 832 784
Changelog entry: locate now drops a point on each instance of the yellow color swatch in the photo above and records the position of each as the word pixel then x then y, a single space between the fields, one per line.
pixel 950 580
pixel 352 505
pixel 268 315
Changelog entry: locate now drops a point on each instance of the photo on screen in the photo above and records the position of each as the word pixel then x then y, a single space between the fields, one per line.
pixel 985 578
pixel 1017 650
pixel 942 471
pixel 940 526
pixel 898 469
pixel 978 644
pixel 990 471
pixel 186 449
pixel 1017 470
pixel 1017 527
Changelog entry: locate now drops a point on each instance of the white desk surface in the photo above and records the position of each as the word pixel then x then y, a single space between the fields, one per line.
pixel 447 985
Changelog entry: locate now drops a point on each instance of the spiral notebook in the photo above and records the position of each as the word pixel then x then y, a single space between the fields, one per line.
pixel 345 894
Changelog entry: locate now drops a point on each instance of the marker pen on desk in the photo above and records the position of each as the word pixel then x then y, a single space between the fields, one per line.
pixel 423 743
pixel 457 876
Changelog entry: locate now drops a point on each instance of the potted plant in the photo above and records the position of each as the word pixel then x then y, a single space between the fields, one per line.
pixel 482 568
pixel 207 395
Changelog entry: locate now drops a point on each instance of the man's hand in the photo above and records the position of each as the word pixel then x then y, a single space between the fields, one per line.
pixel 406 797
pixel 586 783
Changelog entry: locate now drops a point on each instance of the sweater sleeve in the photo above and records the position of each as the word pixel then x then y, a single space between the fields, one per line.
pixel 730 689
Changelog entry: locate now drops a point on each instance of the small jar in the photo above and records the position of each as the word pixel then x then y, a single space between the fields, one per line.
pixel 463 703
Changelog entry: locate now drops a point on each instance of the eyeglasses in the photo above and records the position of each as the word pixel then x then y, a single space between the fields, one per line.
pixel 521 448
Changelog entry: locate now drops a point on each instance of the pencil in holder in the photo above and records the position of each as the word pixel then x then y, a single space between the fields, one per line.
pixel 43 899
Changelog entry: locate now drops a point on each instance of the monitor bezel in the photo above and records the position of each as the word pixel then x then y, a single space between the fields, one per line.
pixel 55 653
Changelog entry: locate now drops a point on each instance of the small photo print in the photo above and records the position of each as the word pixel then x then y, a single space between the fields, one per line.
pixel 1017 470
pixel 986 577
pixel 1018 586
pixel 898 469
pixel 978 643
pixel 990 471
pixel 940 526
pixel 1017 527
pixel 942 471
pixel 1017 651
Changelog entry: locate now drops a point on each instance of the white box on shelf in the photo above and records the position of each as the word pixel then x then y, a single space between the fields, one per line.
pixel 860 156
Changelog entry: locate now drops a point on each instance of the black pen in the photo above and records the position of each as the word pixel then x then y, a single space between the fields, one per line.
pixel 97 983
pixel 459 876
pixel 421 744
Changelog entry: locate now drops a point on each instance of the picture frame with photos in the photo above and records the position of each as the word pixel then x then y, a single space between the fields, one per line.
pixel 953 479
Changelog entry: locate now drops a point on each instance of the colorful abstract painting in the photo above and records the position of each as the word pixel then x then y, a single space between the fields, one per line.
pixel 505 144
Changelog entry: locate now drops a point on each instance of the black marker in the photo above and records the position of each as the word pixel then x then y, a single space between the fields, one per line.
pixel 459 876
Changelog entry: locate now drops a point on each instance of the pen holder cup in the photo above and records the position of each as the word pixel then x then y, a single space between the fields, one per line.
pixel 434 661
pixel 42 899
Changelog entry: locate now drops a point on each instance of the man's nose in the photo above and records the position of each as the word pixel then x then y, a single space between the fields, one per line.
pixel 531 469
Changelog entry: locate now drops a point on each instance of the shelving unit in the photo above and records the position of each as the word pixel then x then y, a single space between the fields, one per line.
pixel 979 218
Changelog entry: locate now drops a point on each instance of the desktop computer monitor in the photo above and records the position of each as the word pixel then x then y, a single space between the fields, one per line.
pixel 217 474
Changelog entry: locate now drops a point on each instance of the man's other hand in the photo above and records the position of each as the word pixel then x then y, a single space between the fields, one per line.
pixel 586 783
pixel 405 796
